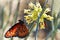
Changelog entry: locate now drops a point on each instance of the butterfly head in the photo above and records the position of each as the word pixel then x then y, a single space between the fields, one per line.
pixel 21 22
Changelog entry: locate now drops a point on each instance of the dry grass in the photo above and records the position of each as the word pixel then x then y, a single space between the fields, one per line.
pixel 11 11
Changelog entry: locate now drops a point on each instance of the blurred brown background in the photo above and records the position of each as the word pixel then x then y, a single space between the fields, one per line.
pixel 12 10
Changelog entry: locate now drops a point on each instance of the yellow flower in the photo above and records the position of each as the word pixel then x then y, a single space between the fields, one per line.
pixel 47 10
pixel 33 14
pixel 44 15
pixel 37 10
pixel 42 26
pixel 38 6
pixel 27 11
pixel 35 26
pixel 49 18
pixel 31 5
pixel 28 19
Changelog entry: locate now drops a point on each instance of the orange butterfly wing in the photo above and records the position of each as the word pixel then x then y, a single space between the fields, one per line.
pixel 12 31
pixel 19 30
pixel 23 31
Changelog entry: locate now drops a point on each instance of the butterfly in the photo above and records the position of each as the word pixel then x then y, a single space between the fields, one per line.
pixel 17 30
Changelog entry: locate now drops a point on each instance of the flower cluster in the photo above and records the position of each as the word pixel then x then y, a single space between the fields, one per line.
pixel 33 13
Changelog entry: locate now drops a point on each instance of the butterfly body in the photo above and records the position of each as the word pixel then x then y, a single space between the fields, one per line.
pixel 18 30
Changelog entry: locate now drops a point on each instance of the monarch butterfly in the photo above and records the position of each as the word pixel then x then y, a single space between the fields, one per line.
pixel 17 30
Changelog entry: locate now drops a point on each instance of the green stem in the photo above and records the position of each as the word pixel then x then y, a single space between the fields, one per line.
pixel 2 19
pixel 8 16
pixel 39 18
pixel 53 27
